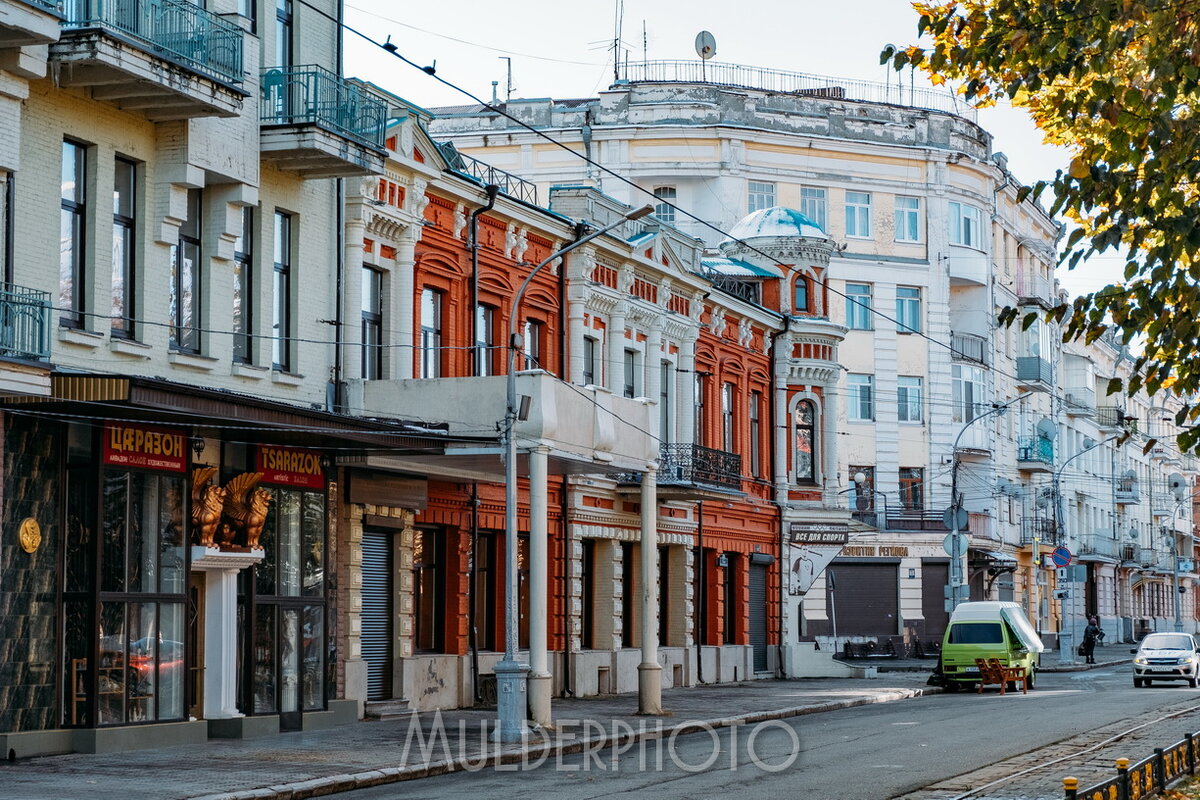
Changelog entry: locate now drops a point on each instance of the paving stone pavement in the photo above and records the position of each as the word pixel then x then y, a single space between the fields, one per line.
pixel 298 765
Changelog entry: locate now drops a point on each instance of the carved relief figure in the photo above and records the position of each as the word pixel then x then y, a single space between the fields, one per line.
pixel 745 333
pixel 510 239
pixel 522 245
pixel 245 510
pixel 460 221
pixel 207 503
pixel 419 200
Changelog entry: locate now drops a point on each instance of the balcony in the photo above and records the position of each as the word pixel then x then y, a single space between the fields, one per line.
pixel 1101 544
pixel 1035 454
pixel 165 59
pixel 1034 290
pixel 1126 492
pixel 968 267
pixel 1112 418
pixel 1040 529
pixel 976 439
pixel 28 23
pixel 24 323
pixel 969 347
pixel 1034 373
pixel 1081 401
pixel 319 125
pixel 692 471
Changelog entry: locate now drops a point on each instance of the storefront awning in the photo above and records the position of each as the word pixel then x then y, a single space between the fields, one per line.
pixel 995 557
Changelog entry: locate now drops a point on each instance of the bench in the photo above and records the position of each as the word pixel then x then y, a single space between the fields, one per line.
pixel 992 671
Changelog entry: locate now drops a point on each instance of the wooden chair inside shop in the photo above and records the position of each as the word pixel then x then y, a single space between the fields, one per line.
pixel 991 671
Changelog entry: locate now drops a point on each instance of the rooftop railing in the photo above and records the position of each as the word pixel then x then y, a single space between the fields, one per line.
pixel 795 83
pixel 511 185
pixel 176 29
pixel 312 95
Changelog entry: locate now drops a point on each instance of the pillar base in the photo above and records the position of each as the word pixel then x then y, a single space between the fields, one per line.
pixel 511 701
pixel 540 691
pixel 650 690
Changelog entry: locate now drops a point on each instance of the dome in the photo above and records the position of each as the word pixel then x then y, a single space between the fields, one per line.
pixel 775 221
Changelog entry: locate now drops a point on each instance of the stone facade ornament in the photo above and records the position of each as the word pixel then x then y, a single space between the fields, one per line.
pixel 510 240
pixel 207 504
pixel 460 221
pixel 745 333
pixel 245 511
pixel 522 245
pixel 419 201
pixel 718 324
pixel 625 279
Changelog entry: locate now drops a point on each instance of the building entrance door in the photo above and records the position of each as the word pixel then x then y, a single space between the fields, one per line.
pixel 377 589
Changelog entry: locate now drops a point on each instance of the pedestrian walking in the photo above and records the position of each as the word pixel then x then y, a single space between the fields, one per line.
pixel 1091 634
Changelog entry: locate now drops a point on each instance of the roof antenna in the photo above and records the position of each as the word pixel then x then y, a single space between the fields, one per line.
pixel 508 87
pixel 391 48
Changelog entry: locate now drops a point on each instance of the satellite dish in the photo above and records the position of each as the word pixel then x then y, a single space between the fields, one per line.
pixel 1129 475
pixel 1047 429
pixel 1177 485
pixel 706 45
pixel 1088 443
pixel 1133 534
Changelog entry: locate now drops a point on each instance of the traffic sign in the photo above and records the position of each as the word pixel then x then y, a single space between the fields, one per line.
pixel 955 518
pixel 1061 556
pixel 950 542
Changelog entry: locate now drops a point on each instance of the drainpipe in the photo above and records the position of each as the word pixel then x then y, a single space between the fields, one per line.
pixel 563 506
pixel 9 262
pixel 698 613
pixel 334 399
pixel 471 621
pixel 564 372
pixel 772 460
pixel 492 190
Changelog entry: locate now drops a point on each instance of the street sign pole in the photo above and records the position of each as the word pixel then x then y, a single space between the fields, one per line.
pixel 955 546
pixel 1066 586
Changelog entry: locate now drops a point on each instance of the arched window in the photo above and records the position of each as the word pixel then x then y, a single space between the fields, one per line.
pixel 806 442
pixel 800 306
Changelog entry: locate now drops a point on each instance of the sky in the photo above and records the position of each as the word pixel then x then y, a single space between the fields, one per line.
pixel 560 48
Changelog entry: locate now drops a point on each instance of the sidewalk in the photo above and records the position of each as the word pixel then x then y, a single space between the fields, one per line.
pixel 1106 656
pixel 299 765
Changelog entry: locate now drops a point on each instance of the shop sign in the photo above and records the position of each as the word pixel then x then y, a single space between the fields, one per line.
pixel 289 466
pixel 817 533
pixel 883 551
pixel 145 447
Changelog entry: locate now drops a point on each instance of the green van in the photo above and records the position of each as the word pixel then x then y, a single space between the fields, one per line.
pixel 987 630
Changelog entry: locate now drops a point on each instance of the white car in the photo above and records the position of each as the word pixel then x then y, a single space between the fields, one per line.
pixel 1166 657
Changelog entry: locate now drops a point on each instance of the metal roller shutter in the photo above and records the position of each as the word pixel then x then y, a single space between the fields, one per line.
pixel 377 613
pixel 758 615
pixel 867 599
pixel 934 577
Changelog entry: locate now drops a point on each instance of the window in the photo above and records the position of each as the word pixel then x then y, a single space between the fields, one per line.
pixel 800 298
pixel 8 224
pixel 912 488
pixel 431 333
pixel 862 488
pixel 71 260
pixel 590 344
pixel 756 434
pixel 812 205
pixel 861 400
pixel 908 399
pixel 587 583
pixel 908 219
pixel 908 309
pixel 858 306
pixel 968 392
pixel 485 324
pixel 124 187
pixel 806 442
pixel 283 33
pixel 858 214
pixel 665 212
pixel 629 611
pixel 630 367
pixel 966 226
pixel 665 385
pixel 428 579
pixel 249 10
pixel 372 324
pixel 727 412
pixel 729 598
pixel 762 195
pixel 532 344
pixel 185 279
pixel 281 323
pixel 485 601
pixel 698 435
pixel 243 288
pixel 664 595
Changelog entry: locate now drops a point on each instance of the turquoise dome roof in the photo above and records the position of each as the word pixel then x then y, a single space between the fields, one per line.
pixel 775 221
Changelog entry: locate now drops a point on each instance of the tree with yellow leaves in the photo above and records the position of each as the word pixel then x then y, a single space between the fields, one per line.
pixel 1118 83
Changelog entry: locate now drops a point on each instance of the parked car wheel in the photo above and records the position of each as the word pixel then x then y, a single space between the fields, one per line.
pixel 1192 682
pixel 1137 683
pixel 1032 679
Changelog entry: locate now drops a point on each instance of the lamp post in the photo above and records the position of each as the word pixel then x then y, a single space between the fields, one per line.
pixel 511 675
pixel 1175 563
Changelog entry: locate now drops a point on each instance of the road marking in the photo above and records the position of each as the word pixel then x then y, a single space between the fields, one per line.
pixel 906 723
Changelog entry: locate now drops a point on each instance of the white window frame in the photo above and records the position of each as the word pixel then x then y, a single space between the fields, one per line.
pixel 908 219
pixel 966 225
pixel 860 395
pixel 759 195
pixel 858 215
pixel 814 205
pixel 664 212
pixel 859 307
pixel 969 389
pixel 910 398
pixel 908 310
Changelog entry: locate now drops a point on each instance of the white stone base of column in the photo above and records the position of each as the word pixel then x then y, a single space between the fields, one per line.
pixel 650 690
pixel 541 690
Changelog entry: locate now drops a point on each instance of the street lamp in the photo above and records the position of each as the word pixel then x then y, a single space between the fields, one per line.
pixel 1179 501
pixel 511 675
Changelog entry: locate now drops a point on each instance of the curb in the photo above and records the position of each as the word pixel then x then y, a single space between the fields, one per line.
pixel 1085 667
pixel 513 754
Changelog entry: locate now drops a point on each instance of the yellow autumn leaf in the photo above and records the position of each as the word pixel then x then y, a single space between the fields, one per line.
pixel 1079 170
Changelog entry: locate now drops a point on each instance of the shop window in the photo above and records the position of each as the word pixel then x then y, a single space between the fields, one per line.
pixel 484 589
pixel 523 591
pixel 729 598
pixel 428 594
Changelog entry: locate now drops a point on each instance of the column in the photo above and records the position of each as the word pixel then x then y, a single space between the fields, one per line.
pixel 540 689
pixel 686 391
pixel 404 296
pixel 220 627
pixel 829 454
pixel 649 671
pixel 575 334
pixel 781 440
pixel 614 346
pixel 352 298
pixel 652 370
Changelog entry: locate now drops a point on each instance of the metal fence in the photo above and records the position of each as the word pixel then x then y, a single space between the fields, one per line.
pixel 178 30
pixel 1149 777
pixel 795 83
pixel 48 5
pixel 312 95
pixel 696 464
pixel 511 185
pixel 24 323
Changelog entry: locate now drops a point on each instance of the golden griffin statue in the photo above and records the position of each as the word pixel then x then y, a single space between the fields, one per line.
pixel 245 510
pixel 207 503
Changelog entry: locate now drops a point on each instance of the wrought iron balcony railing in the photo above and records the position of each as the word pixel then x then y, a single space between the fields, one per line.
pixel 693 464
pixel 312 95
pixel 511 185
pixel 1035 448
pixel 24 323
pixel 46 5
pixel 178 30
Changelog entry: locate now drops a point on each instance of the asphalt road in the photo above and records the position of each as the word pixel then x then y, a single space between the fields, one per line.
pixel 867 753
